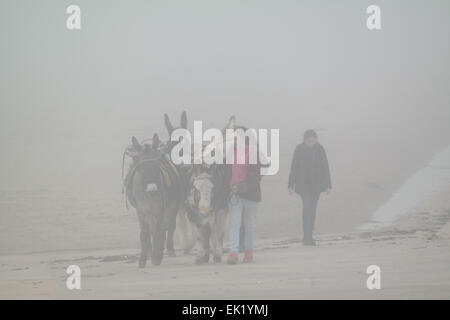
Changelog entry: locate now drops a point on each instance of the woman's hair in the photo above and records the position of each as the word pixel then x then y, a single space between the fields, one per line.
pixel 309 133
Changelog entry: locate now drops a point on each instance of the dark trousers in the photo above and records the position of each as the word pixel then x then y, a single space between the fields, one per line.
pixel 309 199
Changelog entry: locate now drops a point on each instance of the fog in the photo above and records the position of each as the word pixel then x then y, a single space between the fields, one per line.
pixel 71 100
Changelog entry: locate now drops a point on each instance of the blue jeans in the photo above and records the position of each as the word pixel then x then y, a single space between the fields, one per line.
pixel 309 200
pixel 242 210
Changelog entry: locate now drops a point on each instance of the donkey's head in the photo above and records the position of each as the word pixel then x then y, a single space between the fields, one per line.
pixel 200 199
pixel 147 159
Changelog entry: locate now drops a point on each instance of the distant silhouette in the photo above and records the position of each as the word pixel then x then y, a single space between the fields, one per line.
pixel 309 176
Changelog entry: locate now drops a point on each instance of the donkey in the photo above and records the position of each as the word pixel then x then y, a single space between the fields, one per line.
pixel 207 209
pixel 185 232
pixel 207 204
pixel 158 198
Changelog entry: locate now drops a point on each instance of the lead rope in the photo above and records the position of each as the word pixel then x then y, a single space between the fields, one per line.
pixel 123 165
pixel 125 153
pixel 123 181
pixel 163 191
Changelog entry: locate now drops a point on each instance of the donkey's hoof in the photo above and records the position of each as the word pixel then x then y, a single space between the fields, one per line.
pixel 202 260
pixel 171 253
pixel 142 263
pixel 157 258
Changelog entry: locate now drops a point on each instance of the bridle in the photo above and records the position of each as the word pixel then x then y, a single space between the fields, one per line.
pixel 192 203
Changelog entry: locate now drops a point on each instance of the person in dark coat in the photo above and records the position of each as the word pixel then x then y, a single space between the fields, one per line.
pixel 309 177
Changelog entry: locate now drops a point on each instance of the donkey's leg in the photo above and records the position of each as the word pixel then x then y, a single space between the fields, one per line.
pixel 171 223
pixel 158 250
pixel 186 232
pixel 199 246
pixel 222 229
pixel 206 243
pixel 149 245
pixel 170 236
pixel 203 244
pixel 214 243
pixel 146 245
pixel 162 223
pixel 191 239
pixel 220 223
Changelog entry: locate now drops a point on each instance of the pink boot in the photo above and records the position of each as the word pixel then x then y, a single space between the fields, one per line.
pixel 232 258
pixel 248 256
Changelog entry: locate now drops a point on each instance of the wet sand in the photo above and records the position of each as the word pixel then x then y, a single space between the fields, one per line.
pixel 413 256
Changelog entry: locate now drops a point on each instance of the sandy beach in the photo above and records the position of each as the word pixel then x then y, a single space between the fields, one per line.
pixel 413 255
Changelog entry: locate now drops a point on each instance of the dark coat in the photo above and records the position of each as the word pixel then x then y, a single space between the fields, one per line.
pixel 253 181
pixel 309 169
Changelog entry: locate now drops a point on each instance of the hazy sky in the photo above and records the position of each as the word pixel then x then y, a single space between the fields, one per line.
pixel 70 100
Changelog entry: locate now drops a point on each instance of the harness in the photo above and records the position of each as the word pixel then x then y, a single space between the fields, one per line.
pixel 168 175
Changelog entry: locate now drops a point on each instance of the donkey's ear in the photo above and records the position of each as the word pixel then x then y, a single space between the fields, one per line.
pixel 155 141
pixel 168 124
pixel 183 121
pixel 136 144
pixel 231 123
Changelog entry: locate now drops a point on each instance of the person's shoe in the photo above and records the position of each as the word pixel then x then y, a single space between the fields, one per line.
pixel 232 258
pixel 248 256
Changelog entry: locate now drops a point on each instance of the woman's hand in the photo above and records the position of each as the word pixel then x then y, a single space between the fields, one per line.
pixel 290 192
